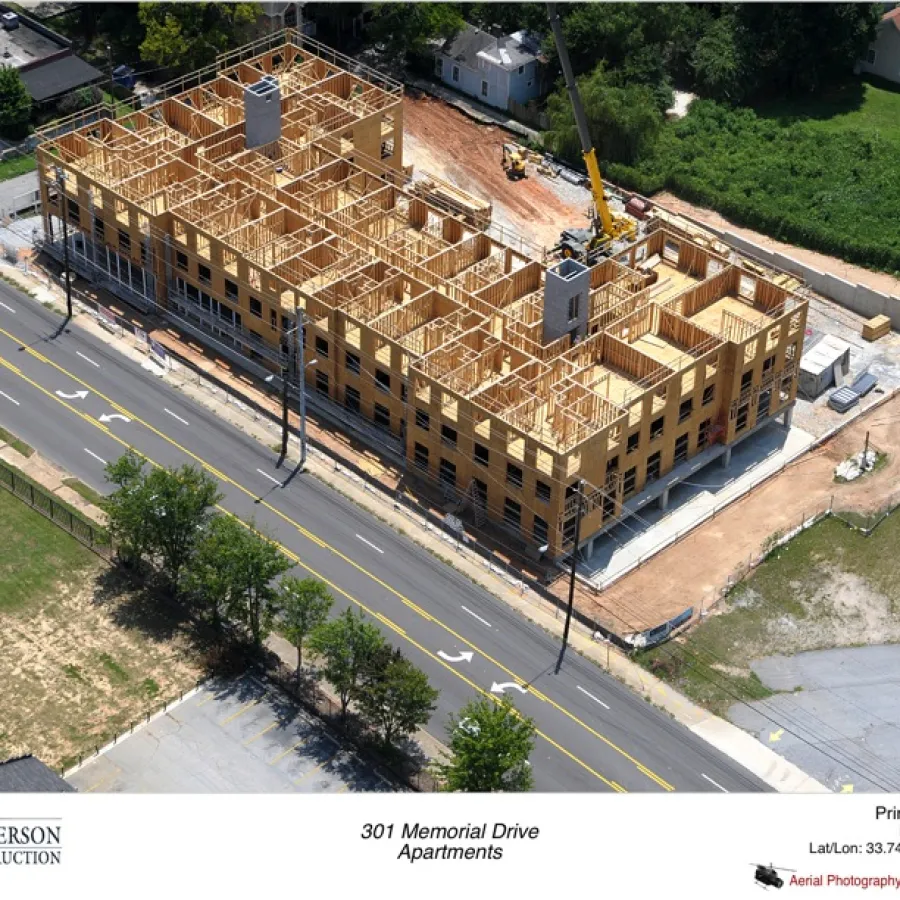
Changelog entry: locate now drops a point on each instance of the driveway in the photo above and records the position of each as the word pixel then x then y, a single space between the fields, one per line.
pixel 233 736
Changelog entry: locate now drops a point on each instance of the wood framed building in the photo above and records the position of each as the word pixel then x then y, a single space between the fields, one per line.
pixel 271 186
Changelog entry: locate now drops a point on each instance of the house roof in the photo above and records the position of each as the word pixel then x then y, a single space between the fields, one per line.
pixel 892 16
pixel 58 77
pixel 507 51
pixel 28 775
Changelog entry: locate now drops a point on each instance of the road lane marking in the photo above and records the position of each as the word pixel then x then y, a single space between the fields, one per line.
pixel 267 475
pixel 7 307
pixel 370 544
pixel 11 400
pixel 506 686
pixel 245 708
pixel 345 788
pixel 716 783
pixel 307 534
pixel 183 421
pixel 475 615
pixel 265 730
pixel 212 696
pixel 88 359
pixel 595 699
pixel 465 656
pixel 281 756
pixel 99 459
pixel 77 395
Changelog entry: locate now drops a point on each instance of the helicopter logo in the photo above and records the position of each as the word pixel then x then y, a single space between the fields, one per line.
pixel 767 876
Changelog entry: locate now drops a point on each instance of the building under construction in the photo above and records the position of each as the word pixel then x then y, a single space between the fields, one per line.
pixel 270 188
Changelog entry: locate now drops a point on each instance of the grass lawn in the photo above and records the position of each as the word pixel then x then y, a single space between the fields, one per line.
pixel 7 437
pixel 84 490
pixel 830 586
pixel 821 172
pixel 80 657
pixel 9 168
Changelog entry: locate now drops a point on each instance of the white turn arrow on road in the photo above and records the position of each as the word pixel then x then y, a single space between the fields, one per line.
pixel 109 417
pixel 466 656
pixel 77 395
pixel 502 688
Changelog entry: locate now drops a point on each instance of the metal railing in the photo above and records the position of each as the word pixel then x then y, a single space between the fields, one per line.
pixel 82 529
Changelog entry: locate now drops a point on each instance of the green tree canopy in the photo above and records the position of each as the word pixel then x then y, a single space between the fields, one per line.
pixel 348 644
pixel 161 513
pixel 304 604
pixel 395 696
pixel 489 744
pixel 623 121
pixel 184 36
pixel 15 105
pixel 407 28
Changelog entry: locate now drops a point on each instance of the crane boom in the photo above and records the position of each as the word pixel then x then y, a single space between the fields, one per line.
pixel 611 227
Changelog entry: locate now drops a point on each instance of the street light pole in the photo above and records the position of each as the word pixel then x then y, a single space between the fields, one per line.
pixel 565 639
pixel 64 215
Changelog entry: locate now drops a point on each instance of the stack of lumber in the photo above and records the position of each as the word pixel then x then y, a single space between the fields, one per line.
pixel 474 209
pixel 876 328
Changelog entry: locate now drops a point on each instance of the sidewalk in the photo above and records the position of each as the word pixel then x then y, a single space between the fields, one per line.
pixel 746 750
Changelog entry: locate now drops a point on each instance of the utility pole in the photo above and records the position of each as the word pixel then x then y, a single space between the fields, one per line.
pixel 565 639
pixel 64 215
pixel 296 367
pixel 299 347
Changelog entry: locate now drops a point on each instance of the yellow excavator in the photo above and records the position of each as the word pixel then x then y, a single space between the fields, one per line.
pixel 586 244
pixel 513 162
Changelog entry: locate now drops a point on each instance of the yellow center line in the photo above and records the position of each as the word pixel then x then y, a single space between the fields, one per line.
pixel 310 536
pixel 265 730
pixel 282 755
pixel 212 696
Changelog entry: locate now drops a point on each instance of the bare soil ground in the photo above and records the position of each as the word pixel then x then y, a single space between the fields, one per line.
pixel 81 656
pixel 691 572
pixel 879 281
pixel 440 139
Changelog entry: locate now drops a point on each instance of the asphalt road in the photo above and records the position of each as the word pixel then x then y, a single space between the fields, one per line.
pixel 594 734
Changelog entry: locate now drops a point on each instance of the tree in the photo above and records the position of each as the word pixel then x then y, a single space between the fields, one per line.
pixel 490 744
pixel 407 28
pixel 211 579
pixel 179 504
pixel 162 513
pixel 190 35
pixel 348 645
pixel 15 105
pixel 718 62
pixel 396 696
pixel 126 508
pixel 305 604
pixel 254 562
pixel 623 121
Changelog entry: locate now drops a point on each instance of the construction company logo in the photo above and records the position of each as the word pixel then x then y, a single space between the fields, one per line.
pixel 30 842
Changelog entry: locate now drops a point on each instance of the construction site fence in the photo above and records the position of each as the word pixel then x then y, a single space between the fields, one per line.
pixel 82 529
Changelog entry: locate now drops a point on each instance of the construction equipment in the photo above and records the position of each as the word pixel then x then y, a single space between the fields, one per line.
pixel 513 162
pixel 586 244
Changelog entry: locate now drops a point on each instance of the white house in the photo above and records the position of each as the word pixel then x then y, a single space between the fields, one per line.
pixel 883 57
pixel 493 69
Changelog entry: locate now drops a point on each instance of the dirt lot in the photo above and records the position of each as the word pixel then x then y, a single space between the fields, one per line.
pixel 441 140
pixel 879 281
pixel 690 572
pixel 80 657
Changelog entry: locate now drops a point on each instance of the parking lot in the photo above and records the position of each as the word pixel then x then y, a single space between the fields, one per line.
pixel 236 736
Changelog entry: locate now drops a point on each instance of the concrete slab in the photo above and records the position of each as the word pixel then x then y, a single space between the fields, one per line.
pixel 239 736
pixel 692 501
pixel 845 708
